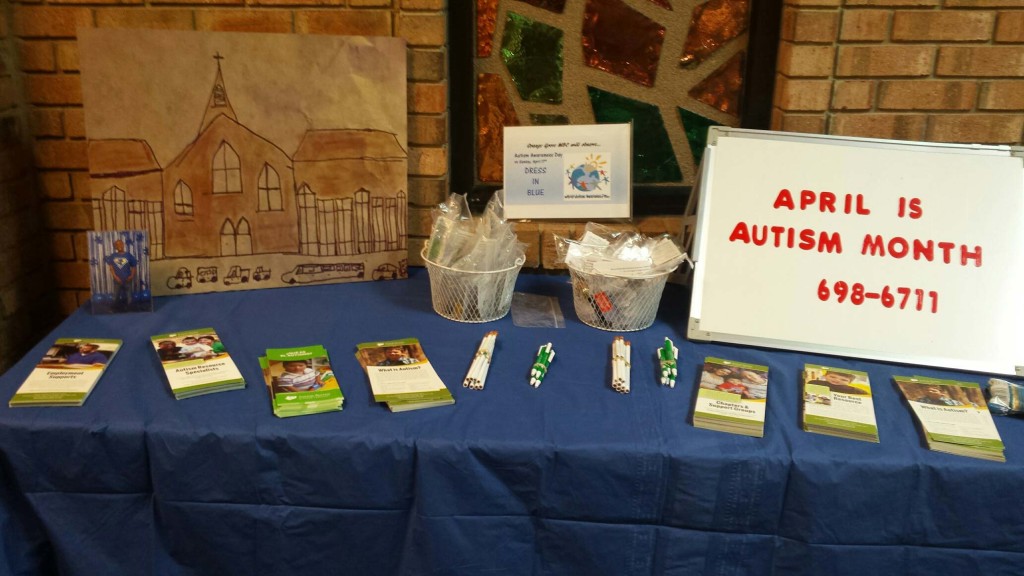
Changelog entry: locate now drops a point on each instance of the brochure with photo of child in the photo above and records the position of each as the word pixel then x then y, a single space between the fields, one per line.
pixel 300 381
pixel 953 416
pixel 67 373
pixel 732 397
pixel 401 376
pixel 838 402
pixel 196 362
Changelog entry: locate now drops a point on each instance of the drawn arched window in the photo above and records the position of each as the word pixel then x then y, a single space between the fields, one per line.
pixel 182 199
pixel 227 170
pixel 235 240
pixel 243 238
pixel 269 186
pixel 114 209
pixel 227 238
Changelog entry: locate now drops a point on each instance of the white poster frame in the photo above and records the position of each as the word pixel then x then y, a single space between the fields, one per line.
pixel 994 344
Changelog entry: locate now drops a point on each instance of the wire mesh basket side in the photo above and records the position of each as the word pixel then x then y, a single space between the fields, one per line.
pixel 471 296
pixel 614 303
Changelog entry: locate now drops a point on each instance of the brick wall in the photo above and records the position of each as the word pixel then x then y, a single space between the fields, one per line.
pixel 927 70
pixel 938 70
pixel 26 294
pixel 43 40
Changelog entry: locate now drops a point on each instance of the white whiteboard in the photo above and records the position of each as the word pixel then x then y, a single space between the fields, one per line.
pixel 758 283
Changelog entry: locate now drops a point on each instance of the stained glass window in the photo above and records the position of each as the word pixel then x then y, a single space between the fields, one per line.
pixel 671 67
pixel 532 52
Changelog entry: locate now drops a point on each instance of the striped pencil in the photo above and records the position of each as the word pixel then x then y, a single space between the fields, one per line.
pixel 620 365
pixel 477 374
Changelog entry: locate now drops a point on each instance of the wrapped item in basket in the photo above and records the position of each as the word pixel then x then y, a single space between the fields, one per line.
pixel 618 277
pixel 473 262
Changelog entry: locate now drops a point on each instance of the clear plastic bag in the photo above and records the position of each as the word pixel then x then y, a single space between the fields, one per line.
pixel 1005 398
pixel 536 311
pixel 481 244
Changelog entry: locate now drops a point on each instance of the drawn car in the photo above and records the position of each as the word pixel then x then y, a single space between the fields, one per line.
pixel 261 274
pixel 307 273
pixel 181 279
pixel 206 274
pixel 385 272
pixel 236 275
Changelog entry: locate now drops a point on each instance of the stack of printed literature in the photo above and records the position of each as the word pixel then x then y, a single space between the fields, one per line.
pixel 837 402
pixel 300 381
pixel 732 397
pixel 67 372
pixel 953 416
pixel 401 376
pixel 196 363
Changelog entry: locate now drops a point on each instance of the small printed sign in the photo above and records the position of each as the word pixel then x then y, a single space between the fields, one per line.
pixel 568 171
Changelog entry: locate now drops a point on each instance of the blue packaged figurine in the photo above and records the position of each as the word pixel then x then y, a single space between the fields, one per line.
pixel 1005 398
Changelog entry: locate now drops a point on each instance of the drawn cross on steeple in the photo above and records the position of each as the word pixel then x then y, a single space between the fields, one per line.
pixel 218 103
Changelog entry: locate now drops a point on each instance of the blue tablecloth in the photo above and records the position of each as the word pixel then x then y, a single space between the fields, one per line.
pixel 568 478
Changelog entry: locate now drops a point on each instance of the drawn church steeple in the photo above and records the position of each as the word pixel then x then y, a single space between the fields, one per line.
pixel 218 103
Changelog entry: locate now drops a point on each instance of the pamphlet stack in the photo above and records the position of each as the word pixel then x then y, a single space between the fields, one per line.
pixel 67 373
pixel 401 376
pixel 196 363
pixel 838 402
pixel 953 416
pixel 732 397
pixel 300 381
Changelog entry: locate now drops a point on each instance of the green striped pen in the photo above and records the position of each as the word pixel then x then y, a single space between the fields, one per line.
pixel 667 355
pixel 540 367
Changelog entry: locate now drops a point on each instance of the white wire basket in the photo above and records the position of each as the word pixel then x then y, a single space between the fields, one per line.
pixel 615 303
pixel 466 296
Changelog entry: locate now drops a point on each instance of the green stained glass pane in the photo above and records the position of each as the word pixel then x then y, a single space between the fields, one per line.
pixel 696 128
pixel 653 157
pixel 532 52
pixel 549 119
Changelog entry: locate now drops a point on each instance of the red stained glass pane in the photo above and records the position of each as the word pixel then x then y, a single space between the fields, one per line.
pixel 494 111
pixel 713 24
pixel 486 20
pixel 622 41
pixel 722 87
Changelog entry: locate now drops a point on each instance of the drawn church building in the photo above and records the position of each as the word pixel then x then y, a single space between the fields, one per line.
pixel 233 192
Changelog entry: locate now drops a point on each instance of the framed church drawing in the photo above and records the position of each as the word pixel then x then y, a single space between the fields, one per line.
pixel 251 160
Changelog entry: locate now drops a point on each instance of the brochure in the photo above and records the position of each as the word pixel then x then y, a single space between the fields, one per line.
pixel 838 402
pixel 300 381
pixel 401 376
pixel 196 362
pixel 953 416
pixel 67 372
pixel 732 397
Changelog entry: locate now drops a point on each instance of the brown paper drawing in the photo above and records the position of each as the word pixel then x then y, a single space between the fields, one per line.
pixel 252 160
